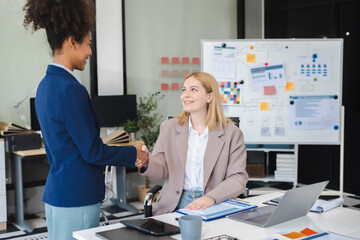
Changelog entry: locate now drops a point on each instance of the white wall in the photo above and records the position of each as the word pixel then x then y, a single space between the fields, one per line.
pixel 24 57
pixel 163 28
pixel 109 47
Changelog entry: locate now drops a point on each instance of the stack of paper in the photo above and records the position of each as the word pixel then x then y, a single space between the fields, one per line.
pixel 323 205
pixel 285 167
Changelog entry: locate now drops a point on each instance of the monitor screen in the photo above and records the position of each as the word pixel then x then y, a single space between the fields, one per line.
pixel 113 111
pixel 33 118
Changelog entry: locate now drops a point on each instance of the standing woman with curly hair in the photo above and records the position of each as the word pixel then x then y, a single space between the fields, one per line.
pixel 75 185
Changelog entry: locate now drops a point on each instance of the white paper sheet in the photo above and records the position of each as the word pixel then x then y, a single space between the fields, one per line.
pixel 314 112
pixel 271 75
pixel 223 62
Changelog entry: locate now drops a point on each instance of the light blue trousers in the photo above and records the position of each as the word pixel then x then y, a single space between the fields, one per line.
pixel 63 221
pixel 187 197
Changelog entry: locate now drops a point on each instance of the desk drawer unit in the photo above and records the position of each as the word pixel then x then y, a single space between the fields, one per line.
pixel 3 212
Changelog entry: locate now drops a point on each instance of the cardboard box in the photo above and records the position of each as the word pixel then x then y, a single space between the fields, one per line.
pixel 255 170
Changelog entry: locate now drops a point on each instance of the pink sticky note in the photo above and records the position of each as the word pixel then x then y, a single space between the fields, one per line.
pixel 164 60
pixel 185 60
pixel 269 90
pixel 165 73
pixel 175 73
pixel 174 86
pixel 184 73
pixel 164 86
pixel 195 60
pixel 175 60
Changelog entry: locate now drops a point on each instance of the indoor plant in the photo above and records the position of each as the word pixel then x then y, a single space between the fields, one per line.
pixel 132 128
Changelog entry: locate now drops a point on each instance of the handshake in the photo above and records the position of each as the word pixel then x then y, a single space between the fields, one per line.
pixel 142 157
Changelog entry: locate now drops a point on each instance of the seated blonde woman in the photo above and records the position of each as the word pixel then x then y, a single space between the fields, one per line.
pixel 201 154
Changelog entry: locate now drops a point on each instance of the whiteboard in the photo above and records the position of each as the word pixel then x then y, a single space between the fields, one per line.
pixel 285 91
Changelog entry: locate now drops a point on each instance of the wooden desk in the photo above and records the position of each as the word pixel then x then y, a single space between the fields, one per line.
pixel 340 220
pixel 17 158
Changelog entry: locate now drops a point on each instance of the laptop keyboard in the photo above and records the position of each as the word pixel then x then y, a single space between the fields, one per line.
pixel 261 219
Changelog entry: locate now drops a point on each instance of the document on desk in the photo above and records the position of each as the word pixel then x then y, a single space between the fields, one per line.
pixel 319 206
pixel 219 210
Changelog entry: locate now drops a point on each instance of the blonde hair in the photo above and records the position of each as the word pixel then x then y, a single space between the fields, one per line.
pixel 215 118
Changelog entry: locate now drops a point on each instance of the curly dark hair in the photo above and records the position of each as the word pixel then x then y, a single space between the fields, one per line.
pixel 60 19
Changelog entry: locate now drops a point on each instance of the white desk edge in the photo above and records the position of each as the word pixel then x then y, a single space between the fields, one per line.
pixel 340 220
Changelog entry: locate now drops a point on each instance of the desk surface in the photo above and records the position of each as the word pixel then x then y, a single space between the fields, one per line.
pixel 42 151
pixel 33 152
pixel 340 220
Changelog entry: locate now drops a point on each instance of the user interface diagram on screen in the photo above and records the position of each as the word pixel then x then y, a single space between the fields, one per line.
pixel 295 203
pixel 152 226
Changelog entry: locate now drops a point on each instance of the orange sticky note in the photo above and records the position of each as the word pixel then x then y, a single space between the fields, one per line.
pixel 184 73
pixel 264 106
pixel 175 73
pixel 269 90
pixel 289 86
pixel 185 60
pixel 175 60
pixel 164 60
pixel 164 86
pixel 174 86
pixel 165 73
pixel 251 58
pixel 195 60
pixel 308 232
pixel 293 235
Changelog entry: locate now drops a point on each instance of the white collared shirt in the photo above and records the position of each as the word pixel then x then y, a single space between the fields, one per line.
pixel 194 168
pixel 63 67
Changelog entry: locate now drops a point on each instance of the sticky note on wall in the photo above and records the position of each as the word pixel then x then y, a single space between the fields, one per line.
pixel 184 73
pixel 164 86
pixel 175 60
pixel 265 131
pixel 269 90
pixel 164 60
pixel 195 60
pixel 165 73
pixel 279 131
pixel 174 86
pixel 175 73
pixel 264 106
pixel 251 58
pixel 185 60
pixel 289 86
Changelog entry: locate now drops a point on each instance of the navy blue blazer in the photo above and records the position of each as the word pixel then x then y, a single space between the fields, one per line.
pixel 71 134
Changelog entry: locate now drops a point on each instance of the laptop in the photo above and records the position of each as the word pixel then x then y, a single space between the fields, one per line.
pixel 295 203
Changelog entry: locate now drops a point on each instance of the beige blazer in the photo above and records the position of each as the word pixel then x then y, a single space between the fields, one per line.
pixel 225 176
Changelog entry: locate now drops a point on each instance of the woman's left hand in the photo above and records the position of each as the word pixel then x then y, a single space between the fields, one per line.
pixel 201 203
